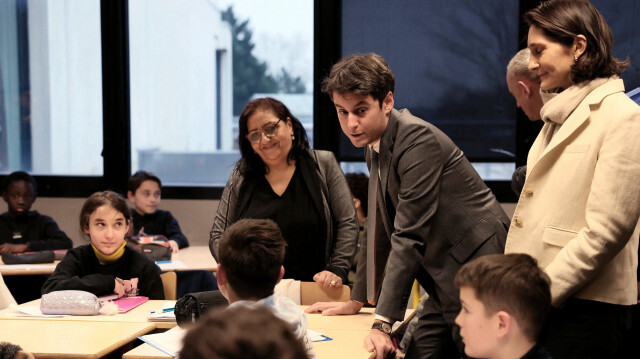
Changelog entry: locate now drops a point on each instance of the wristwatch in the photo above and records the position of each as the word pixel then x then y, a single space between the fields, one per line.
pixel 383 327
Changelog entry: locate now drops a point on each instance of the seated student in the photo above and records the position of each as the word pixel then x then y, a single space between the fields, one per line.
pixel 12 351
pixel 251 253
pixel 505 299
pixel 144 191
pixel 106 265
pixel 23 230
pixel 242 333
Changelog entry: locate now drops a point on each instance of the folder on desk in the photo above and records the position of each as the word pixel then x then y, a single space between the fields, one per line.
pixel 125 304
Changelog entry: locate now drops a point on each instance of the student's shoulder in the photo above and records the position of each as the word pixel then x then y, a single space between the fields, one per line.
pixel 79 253
pixel 161 213
pixel 39 217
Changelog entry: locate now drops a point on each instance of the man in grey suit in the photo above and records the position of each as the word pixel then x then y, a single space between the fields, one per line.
pixel 432 212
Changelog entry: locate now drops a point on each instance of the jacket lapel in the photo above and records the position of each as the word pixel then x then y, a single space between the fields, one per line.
pixel 575 121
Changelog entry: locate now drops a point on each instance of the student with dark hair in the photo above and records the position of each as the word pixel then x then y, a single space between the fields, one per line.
pixel 239 333
pixel 578 215
pixel 13 351
pixel 145 192
pixel 23 230
pixel 106 265
pixel 251 253
pixel 505 300
pixel 303 190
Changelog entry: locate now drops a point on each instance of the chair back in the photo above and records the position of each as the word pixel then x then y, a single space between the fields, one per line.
pixel 311 292
pixel 169 282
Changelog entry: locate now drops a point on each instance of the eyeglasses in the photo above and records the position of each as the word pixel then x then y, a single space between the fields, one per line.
pixel 268 130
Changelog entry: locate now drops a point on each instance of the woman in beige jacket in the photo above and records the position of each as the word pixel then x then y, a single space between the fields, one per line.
pixel 579 208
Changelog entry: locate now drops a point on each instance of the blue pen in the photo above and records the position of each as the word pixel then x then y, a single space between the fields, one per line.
pixel 165 310
pixel 162 262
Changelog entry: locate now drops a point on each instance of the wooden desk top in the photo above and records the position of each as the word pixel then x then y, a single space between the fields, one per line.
pixel 135 315
pixel 69 339
pixel 194 258
pixel 27 269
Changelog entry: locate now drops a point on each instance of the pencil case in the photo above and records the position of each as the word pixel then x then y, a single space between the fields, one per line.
pixel 29 257
pixel 70 302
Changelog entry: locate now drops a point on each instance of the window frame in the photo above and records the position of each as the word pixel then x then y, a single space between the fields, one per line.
pixel 116 108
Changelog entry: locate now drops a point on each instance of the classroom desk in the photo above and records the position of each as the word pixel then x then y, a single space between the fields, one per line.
pixel 136 315
pixel 69 339
pixel 193 258
pixel 347 331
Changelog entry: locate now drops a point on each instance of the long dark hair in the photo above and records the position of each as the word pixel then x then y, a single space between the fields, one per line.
pixel 250 163
pixel 563 20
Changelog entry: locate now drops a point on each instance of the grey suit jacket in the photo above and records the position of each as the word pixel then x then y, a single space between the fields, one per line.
pixel 437 214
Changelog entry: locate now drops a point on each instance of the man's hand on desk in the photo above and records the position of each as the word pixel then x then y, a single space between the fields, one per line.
pixel 382 344
pixel 336 308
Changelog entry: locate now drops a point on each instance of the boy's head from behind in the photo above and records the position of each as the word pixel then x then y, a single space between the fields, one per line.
pixel 19 190
pixel 144 191
pixel 251 253
pixel 242 332
pixel 504 297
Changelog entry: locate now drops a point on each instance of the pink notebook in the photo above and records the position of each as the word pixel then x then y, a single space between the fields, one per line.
pixel 125 304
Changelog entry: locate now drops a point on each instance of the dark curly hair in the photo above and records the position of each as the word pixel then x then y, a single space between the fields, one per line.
pixel 250 163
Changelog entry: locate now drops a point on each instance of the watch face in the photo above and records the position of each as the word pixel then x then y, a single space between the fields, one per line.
pixel 383 327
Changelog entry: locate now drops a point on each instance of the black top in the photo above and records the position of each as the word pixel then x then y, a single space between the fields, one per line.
pixel 38 231
pixel 159 223
pixel 81 270
pixel 537 352
pixel 299 222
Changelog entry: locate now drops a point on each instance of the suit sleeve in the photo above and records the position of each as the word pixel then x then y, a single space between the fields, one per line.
pixel 66 277
pixel 418 165
pixel 612 210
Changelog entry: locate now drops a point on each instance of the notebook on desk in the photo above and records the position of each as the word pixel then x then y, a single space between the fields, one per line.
pixel 124 304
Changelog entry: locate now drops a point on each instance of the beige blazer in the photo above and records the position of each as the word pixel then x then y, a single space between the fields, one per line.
pixel 579 208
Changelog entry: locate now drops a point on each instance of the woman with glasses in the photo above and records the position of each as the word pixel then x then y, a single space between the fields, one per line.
pixel 303 190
